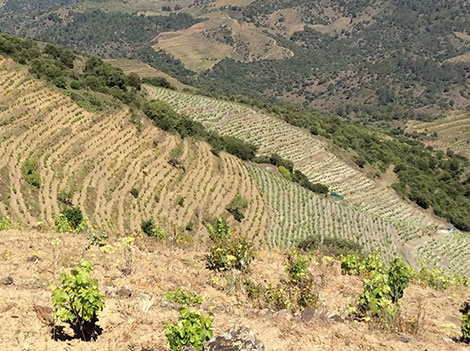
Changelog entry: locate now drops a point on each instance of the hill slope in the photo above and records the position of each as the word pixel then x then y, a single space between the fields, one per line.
pixel 314 158
pixel 97 158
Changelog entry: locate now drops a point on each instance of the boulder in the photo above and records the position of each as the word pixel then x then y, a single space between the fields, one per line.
pixel 238 338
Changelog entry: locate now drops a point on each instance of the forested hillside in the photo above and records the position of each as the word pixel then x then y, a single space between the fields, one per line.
pixel 368 60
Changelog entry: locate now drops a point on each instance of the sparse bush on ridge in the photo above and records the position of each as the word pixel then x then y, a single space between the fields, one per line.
pixel 31 174
pixel 70 219
pixel 330 246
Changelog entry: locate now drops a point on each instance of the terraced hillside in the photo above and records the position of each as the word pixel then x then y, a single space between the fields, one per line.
pixel 315 159
pixel 449 133
pixel 100 157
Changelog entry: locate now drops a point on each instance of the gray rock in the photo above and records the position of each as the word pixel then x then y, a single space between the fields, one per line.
pixel 336 318
pixel 283 314
pixel 309 314
pixel 124 292
pixel 110 291
pixel 188 348
pixel 7 280
pixel 238 338
pixel 405 337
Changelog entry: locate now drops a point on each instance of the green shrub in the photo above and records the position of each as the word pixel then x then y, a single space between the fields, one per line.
pixel 183 297
pixel 181 201
pixel 465 319
pixel 193 328
pixel 433 278
pixel 376 297
pixel 70 220
pixel 234 253
pixel 77 301
pixel 134 192
pixel 190 226
pixel 5 223
pixel 74 216
pixel 285 172
pixel 62 225
pixel 399 276
pixel 350 264
pixel 151 229
pixel 237 206
pixel 31 173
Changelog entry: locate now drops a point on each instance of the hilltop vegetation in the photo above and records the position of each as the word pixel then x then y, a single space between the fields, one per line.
pixel 371 61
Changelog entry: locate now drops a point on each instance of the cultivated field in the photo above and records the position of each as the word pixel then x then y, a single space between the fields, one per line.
pixel 315 158
pixel 204 44
pixel 450 133
pixel 145 71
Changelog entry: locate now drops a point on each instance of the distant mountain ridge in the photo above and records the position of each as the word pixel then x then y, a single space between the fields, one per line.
pixel 373 61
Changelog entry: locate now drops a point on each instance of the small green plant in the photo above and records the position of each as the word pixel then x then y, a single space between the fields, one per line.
pixel 77 301
pixel 383 288
pixel 350 264
pixel 134 192
pixel 399 276
pixel 220 230
pixel 74 215
pixel 193 328
pixel 296 267
pixel 181 201
pixel 377 297
pixel 183 297
pixel 190 226
pixel 237 206
pixel 151 229
pixel 285 172
pixel 62 225
pixel 5 223
pixel 433 278
pixel 465 319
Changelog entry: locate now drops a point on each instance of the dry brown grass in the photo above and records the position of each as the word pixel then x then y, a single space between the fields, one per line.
pixel 138 322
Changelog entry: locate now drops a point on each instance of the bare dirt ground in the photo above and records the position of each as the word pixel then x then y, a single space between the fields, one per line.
pixel 34 259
